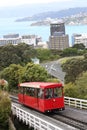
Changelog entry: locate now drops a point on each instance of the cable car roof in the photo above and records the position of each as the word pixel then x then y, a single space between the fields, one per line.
pixel 40 84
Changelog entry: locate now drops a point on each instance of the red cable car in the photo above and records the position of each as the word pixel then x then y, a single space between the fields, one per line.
pixel 42 96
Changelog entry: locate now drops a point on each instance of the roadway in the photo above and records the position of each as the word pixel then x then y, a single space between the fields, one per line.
pixel 54 68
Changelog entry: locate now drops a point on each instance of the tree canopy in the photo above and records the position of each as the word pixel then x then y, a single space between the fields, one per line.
pixel 79 46
pixel 74 67
pixel 77 89
pixel 34 72
pixel 15 74
pixel 20 54
pixel 12 75
pixel 5 108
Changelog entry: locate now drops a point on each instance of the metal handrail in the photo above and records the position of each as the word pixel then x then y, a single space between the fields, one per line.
pixel 75 102
pixel 33 121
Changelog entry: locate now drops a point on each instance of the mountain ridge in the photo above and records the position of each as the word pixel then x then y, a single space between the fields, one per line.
pixel 54 14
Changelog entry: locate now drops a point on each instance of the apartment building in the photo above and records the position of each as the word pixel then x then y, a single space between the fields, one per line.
pixel 29 39
pixel 58 39
pixel 58 42
pixel 10 39
pixel 57 27
pixel 79 39
pixel 5 41
pixel 15 39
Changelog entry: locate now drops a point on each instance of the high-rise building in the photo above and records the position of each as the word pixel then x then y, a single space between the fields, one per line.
pixel 58 42
pixel 57 28
pixel 58 39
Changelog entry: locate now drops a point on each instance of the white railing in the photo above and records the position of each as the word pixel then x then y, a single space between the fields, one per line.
pixel 33 121
pixel 77 103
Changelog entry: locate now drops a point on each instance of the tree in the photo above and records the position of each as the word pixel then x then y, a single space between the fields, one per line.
pixel 12 74
pixel 20 54
pixel 69 52
pixel 43 54
pixel 26 52
pixel 78 89
pixel 15 74
pixel 34 72
pixel 70 90
pixel 72 67
pixel 3 84
pixel 5 108
pixel 85 56
pixel 79 46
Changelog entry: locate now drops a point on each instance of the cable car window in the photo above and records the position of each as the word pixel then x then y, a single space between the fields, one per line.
pixel 21 90
pixel 24 90
pixel 32 92
pixel 27 91
pixel 57 92
pixel 41 93
pixel 36 91
pixel 48 93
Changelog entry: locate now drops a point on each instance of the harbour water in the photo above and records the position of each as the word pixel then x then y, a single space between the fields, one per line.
pixel 8 25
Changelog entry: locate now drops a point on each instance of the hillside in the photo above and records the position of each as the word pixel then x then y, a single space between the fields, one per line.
pixel 56 14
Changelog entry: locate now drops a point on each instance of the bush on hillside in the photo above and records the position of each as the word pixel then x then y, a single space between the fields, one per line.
pixel 78 89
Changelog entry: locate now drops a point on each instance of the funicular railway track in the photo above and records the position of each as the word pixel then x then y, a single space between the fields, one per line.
pixel 62 116
pixel 70 121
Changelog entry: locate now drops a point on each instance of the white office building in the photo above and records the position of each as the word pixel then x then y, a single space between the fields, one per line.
pixel 79 39
pixel 29 39
pixel 14 39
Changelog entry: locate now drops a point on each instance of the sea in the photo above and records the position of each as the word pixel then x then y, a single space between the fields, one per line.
pixel 10 26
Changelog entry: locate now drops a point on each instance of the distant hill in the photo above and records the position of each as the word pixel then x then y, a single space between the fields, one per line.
pixel 55 14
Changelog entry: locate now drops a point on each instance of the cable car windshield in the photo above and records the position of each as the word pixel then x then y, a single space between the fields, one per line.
pixel 53 92
pixel 57 92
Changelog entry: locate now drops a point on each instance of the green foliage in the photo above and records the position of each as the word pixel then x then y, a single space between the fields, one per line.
pixel 5 108
pixel 53 80
pixel 76 50
pixel 70 52
pixel 75 78
pixel 79 46
pixel 23 53
pixel 8 56
pixel 15 74
pixel 3 84
pixel 70 90
pixel 12 75
pixel 43 54
pixel 77 89
pixel 56 52
pixel 47 55
pixel 19 54
pixel 85 56
pixel 34 72
pixel 73 67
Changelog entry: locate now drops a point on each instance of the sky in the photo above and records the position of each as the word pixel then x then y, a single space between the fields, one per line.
pixel 5 3
pixel 22 8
